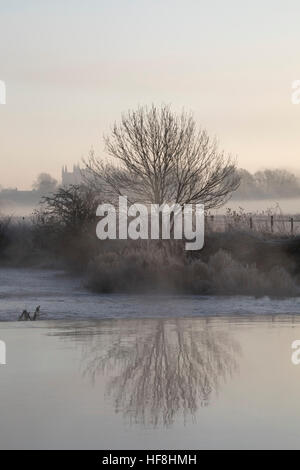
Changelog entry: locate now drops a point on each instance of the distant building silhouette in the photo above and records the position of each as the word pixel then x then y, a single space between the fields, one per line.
pixel 11 197
pixel 72 177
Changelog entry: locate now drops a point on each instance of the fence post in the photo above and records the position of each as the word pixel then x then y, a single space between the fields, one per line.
pixel 251 223
pixel 272 223
pixel 292 225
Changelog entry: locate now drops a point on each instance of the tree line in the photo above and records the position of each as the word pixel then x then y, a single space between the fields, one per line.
pixel 267 184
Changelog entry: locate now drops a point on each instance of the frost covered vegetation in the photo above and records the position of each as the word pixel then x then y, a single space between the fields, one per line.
pixel 235 261
pixel 143 270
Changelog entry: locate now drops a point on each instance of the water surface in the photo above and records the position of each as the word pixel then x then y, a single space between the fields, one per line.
pixel 149 372
pixel 160 383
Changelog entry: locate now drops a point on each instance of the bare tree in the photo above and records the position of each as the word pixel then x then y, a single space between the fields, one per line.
pixel 72 208
pixel 160 369
pixel 160 157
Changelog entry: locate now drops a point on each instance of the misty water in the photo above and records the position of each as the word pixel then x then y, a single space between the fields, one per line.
pixel 160 383
pixel 153 372
pixel 288 206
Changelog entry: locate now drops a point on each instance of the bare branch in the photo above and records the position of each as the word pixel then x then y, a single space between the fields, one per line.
pixel 160 157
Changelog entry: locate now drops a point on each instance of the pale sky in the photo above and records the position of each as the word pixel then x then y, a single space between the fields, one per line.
pixel 71 67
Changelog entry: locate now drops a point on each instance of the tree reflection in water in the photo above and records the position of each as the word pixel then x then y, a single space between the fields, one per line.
pixel 160 368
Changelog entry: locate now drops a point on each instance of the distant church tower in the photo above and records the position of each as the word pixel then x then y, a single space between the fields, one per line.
pixel 71 177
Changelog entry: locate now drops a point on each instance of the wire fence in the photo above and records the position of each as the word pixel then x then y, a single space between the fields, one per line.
pixel 277 224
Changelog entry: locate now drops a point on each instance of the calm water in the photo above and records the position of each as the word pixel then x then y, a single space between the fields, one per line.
pixel 119 371
pixel 189 383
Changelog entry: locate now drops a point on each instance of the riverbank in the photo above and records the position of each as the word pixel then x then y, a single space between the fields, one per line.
pixel 62 297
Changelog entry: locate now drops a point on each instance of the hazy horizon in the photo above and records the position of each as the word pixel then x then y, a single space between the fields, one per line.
pixel 72 68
